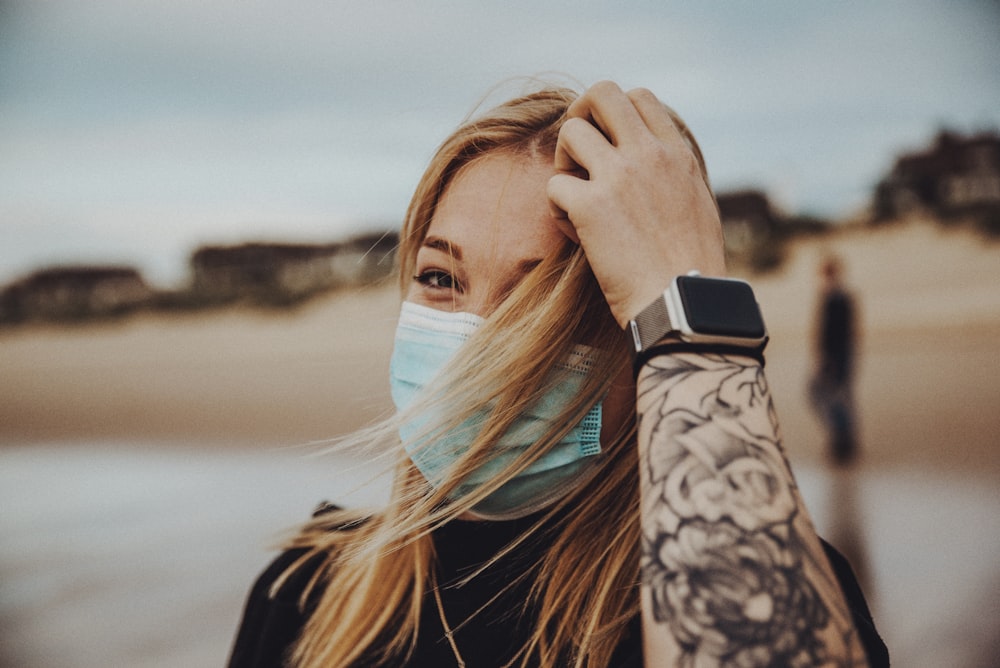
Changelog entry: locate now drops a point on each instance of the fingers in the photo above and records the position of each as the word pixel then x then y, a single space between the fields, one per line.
pixel 607 107
pixel 580 147
pixel 610 135
pixel 657 117
pixel 563 191
pixel 604 117
pixel 566 227
pixel 624 118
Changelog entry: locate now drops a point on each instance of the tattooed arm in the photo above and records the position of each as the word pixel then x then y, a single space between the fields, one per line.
pixel 733 573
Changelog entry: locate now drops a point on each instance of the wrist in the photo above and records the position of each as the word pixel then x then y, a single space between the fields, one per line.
pixel 669 347
pixel 702 316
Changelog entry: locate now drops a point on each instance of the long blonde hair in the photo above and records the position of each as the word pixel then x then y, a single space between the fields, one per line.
pixel 378 566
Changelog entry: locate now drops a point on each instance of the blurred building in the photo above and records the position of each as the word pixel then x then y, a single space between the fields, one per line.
pixel 957 175
pixel 283 273
pixel 74 293
pixel 747 220
pixel 751 229
pixel 268 274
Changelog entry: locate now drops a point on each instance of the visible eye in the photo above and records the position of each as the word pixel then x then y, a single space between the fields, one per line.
pixel 436 279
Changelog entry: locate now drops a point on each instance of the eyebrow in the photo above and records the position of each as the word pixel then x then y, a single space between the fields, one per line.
pixel 454 250
pixel 445 246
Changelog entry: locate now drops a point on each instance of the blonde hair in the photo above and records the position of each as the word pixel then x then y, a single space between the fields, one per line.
pixel 378 566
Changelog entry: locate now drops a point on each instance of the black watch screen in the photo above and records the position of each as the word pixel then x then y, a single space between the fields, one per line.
pixel 720 307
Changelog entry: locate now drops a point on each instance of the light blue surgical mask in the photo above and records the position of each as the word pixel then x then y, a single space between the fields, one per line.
pixel 426 339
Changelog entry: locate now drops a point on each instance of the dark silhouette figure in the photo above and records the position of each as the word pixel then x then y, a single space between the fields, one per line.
pixel 831 388
pixel 832 393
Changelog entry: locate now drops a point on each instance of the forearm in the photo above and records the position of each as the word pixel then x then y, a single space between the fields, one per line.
pixel 732 570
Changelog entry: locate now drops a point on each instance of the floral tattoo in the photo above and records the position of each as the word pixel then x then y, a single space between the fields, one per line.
pixel 723 557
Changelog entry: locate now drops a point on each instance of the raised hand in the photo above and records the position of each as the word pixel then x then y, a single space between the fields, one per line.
pixel 632 191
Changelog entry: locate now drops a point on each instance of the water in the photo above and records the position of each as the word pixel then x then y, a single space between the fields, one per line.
pixel 141 556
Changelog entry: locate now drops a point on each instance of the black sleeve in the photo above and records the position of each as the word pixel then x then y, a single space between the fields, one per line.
pixel 878 653
pixel 271 624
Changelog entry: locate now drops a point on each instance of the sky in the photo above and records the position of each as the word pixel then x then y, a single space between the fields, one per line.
pixel 133 131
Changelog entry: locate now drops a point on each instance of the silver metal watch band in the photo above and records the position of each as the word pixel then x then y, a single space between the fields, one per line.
pixel 651 325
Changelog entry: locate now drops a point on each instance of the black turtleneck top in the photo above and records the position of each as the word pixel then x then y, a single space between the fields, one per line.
pixel 493 636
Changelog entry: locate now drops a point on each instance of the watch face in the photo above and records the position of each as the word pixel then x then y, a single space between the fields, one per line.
pixel 720 307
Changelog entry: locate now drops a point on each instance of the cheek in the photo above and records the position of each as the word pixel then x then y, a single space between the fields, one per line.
pixel 412 293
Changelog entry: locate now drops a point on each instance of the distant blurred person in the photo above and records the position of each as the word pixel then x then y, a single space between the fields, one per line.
pixel 831 387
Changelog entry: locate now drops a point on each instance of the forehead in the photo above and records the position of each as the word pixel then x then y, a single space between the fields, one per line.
pixel 496 209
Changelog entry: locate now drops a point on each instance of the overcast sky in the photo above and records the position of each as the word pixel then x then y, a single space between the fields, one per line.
pixel 134 130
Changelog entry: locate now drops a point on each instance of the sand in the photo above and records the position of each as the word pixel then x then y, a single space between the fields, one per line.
pixel 928 376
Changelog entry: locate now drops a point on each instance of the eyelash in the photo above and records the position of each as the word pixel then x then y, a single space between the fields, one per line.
pixel 433 278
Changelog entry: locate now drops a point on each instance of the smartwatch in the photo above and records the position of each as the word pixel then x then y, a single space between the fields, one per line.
pixel 698 310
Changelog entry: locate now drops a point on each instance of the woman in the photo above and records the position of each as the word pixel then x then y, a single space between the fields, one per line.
pixel 548 509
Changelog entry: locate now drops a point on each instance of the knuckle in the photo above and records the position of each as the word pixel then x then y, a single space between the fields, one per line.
pixel 605 87
pixel 624 171
pixel 572 126
pixel 642 95
pixel 652 151
pixel 690 162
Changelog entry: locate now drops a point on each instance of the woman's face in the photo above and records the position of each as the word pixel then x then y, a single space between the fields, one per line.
pixel 491 227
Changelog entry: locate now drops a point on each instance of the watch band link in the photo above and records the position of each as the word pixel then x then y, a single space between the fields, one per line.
pixel 651 325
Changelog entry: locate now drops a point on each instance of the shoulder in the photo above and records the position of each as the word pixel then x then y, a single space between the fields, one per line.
pixel 294 570
pixel 277 607
pixel 273 618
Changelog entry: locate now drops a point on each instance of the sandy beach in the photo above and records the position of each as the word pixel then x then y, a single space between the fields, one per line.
pixel 144 473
